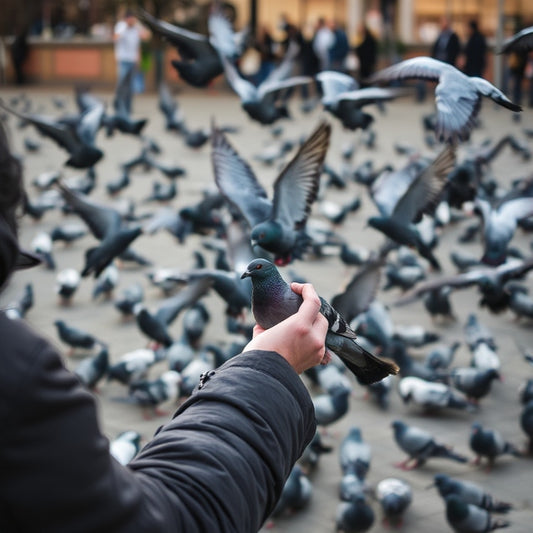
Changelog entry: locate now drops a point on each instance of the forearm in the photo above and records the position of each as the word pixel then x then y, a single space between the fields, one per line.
pixel 224 458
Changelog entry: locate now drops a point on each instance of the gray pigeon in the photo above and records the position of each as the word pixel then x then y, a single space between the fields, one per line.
pixel 420 446
pixel 394 495
pixel 457 96
pixel 519 42
pixel 332 406
pixel 355 516
pixel 125 446
pixel 278 225
pixel 422 196
pixel 470 493
pixel 490 443
pixel 92 369
pixel 273 301
pixel 467 518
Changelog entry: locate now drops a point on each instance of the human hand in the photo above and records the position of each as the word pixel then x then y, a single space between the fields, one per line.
pixel 300 339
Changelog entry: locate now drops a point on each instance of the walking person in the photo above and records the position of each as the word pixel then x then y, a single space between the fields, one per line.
pixel 127 36
pixel 475 51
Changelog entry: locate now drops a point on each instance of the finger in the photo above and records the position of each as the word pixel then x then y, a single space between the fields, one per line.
pixel 311 303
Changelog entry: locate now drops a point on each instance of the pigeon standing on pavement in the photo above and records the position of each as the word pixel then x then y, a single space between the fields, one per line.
pixel 92 369
pixel 273 300
pixel 526 423
pixel 420 446
pixel 355 516
pixel 473 382
pixel 490 443
pixel 467 518
pixel 470 493
pixel 74 337
pixel 394 495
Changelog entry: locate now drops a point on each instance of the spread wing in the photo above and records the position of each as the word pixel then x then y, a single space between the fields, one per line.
pixel 237 182
pixel 296 188
pixel 424 192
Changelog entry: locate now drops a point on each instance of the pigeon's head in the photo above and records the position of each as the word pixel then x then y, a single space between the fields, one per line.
pixel 476 427
pixel 398 426
pixel 442 482
pixel 266 234
pixel 259 269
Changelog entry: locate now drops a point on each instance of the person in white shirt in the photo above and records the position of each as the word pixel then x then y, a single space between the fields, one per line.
pixel 127 36
pixel 322 42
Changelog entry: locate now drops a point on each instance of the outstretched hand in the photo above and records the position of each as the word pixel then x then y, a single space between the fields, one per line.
pixel 300 339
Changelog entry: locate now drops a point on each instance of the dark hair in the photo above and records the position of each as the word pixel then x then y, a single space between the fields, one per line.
pixel 473 25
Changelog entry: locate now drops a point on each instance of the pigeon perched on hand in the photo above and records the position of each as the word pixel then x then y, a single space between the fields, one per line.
pixel 273 300
pixel 277 225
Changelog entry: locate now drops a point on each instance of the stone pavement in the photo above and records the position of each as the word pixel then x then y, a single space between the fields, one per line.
pixel 511 479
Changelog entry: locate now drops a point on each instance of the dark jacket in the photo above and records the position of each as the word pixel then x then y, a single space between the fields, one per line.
pixel 475 54
pixel 447 47
pixel 219 465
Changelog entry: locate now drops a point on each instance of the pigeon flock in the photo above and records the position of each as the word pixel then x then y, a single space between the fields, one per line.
pixel 163 244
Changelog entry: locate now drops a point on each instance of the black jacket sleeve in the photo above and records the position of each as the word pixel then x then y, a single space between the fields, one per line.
pixel 218 465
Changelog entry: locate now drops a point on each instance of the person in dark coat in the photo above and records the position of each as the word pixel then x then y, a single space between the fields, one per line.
pixel 219 464
pixel 19 53
pixel 367 53
pixel 447 46
pixel 475 52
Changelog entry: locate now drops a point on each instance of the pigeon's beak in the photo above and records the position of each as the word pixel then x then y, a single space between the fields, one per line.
pixel 245 274
pixel 253 242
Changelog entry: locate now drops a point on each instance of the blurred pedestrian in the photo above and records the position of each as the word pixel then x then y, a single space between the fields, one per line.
pixel 322 42
pixel 475 51
pixel 339 48
pixel 367 53
pixel 127 36
pixel 265 45
pixel 447 46
pixel 19 53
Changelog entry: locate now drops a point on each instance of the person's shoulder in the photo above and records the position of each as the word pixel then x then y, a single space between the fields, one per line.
pixel 121 24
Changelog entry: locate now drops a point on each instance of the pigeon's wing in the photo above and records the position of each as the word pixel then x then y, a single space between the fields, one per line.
pixel 424 192
pixel 171 307
pixel 271 89
pixel 517 209
pixel 520 42
pixel 246 91
pixel 425 68
pixel 458 281
pixel 415 440
pixel 368 95
pixel 285 68
pixel 89 124
pixel 101 220
pixel 239 249
pixel 85 100
pixel 360 292
pixel 335 83
pixel 221 35
pixel 490 91
pixel 237 182
pixel 190 45
pixel 61 134
pixel 296 188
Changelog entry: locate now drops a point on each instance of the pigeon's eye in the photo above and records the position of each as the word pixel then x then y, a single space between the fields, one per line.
pixel 261 235
pixel 259 267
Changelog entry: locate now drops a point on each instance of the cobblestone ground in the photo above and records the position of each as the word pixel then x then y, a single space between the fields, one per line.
pixel 511 479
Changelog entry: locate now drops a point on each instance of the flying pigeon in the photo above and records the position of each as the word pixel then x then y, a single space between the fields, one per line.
pixel 457 96
pixel 273 301
pixel 278 225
